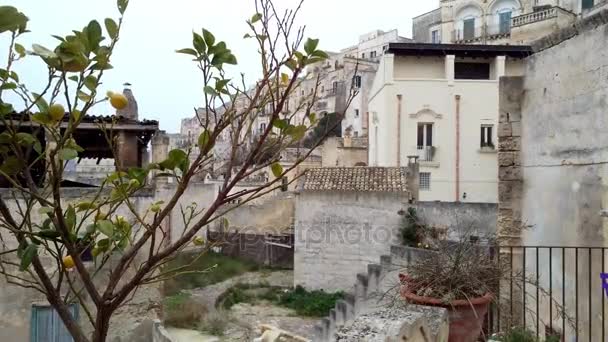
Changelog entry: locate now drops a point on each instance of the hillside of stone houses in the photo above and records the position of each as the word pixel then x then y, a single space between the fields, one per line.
pixel 448 187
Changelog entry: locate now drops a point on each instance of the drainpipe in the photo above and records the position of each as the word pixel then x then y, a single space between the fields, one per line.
pixel 399 97
pixel 457 148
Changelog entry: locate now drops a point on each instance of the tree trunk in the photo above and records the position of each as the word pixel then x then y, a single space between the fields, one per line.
pixel 102 325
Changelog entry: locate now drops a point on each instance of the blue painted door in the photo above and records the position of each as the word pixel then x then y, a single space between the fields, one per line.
pixel 46 325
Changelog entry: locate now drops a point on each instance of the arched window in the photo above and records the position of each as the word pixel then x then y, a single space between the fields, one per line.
pixel 468 22
pixel 501 13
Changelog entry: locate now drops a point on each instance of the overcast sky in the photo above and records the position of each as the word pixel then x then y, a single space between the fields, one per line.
pixel 167 85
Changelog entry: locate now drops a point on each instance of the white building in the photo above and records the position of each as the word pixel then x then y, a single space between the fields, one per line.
pixel 440 102
pixel 498 21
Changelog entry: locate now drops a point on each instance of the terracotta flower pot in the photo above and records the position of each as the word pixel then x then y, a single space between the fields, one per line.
pixel 466 316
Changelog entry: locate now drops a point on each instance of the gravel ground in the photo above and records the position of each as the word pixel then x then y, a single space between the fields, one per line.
pixel 378 325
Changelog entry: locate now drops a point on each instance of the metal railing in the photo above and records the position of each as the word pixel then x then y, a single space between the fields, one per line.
pixel 496 30
pixel 552 291
pixel 425 153
pixel 533 17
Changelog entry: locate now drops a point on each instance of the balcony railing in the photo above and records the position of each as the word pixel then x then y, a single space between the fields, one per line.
pixel 498 30
pixel 425 153
pixel 467 35
pixel 534 17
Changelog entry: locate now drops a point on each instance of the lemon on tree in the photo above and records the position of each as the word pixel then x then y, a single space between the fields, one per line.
pixel 56 112
pixel 198 241
pixel 68 262
pixel 117 100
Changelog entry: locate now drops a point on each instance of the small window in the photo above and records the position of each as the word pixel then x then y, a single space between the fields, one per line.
pixel 357 81
pixel 373 54
pixel 262 127
pixel 363 55
pixel 486 136
pixel 504 20
pixel 468 29
pixel 425 181
pixel 335 87
pixel 356 113
pixel 471 71
pixel 435 38
pixel 356 134
pixel 384 48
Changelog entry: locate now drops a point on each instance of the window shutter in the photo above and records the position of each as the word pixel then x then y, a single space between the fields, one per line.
pixel 429 135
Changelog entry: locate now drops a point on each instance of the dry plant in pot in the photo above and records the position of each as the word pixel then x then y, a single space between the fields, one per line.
pixel 463 276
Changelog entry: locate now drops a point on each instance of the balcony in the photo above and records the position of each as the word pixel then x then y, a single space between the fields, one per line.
pixel 425 153
pixel 534 17
pixel 531 26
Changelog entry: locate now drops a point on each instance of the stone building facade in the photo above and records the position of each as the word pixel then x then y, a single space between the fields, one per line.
pixel 553 167
pixel 499 21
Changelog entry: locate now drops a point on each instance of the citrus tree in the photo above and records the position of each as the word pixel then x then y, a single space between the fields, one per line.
pixel 137 244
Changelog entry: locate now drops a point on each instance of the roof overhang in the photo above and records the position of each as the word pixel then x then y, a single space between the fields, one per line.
pixel 459 50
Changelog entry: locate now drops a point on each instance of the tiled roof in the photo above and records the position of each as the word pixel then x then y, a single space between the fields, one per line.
pixel 378 179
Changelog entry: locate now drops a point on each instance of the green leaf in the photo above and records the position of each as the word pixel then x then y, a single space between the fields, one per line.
pixel 20 49
pixel 43 52
pixel 90 82
pixel 14 76
pixel 122 6
pixel 188 51
pixel 277 169
pixel 28 255
pixel 12 165
pixel 231 59
pixel 311 45
pixel 12 20
pixel 247 35
pixel 41 103
pixel 8 86
pixel 73 78
pixel 111 27
pixel 291 64
pixel 67 154
pixel 61 39
pixel 41 118
pixel 256 17
pixel 45 210
pixel 320 54
pixel 209 38
pixel 179 158
pixel 84 206
pixel 25 139
pixel 106 227
pixel 70 218
pixel 209 90
pixel 199 43
pixel 203 139
pixel 6 108
pixel 280 124
pixel 84 96
pixel 49 234
pixel 94 34
pixel 312 117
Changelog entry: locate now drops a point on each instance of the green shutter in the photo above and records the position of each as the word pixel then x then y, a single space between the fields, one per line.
pixel 588 4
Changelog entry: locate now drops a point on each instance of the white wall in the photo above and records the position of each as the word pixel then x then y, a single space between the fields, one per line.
pixel 432 100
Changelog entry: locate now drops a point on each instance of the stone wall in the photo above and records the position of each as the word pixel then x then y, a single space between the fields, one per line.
pixel 554 163
pixel 337 234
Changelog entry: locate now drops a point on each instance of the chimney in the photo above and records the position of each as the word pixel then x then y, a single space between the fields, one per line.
pixel 130 111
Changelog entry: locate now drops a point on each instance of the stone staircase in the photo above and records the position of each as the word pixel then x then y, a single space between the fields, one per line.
pixel 372 291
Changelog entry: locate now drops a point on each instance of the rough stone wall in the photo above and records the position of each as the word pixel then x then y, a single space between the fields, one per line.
pixel 510 176
pixel 554 178
pixel 337 234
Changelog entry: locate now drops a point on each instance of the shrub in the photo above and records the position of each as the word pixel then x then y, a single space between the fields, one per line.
pixel 411 229
pixel 215 323
pixel 315 303
pixel 180 311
